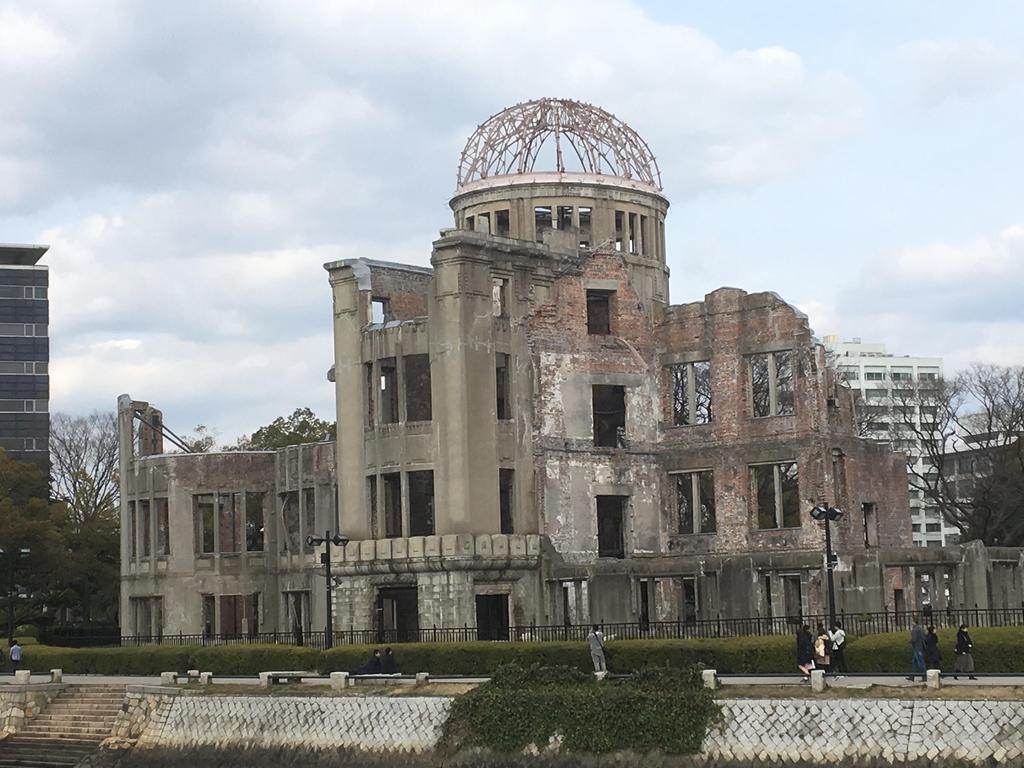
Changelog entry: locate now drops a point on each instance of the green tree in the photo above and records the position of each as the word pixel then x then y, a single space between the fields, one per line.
pixel 303 426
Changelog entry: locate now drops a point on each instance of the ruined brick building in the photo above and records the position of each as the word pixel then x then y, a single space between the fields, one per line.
pixel 530 433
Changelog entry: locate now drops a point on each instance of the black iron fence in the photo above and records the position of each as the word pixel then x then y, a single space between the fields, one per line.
pixel 855 624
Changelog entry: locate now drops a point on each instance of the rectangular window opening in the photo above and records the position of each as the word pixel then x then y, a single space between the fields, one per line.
pixel 599 312
pixel 308 517
pixel 772 384
pixel 421 503
pixel 691 393
pixel 483 223
pixel 645 247
pixel 392 483
pixel 778 495
pixel 379 311
pixel 417 388
pixel 610 526
pixel 229 521
pixel 163 539
pixel 503 406
pixel 388 391
pixel 586 226
pixel 292 526
pixel 689 604
pixel 565 217
pixel 255 535
pixel 501 226
pixel 632 233
pixel 133 531
pixel 368 405
pixel 499 297
pixel 609 403
pixel 542 221
pixel 203 510
pixel 505 478
pixel 695 502
pixel 619 226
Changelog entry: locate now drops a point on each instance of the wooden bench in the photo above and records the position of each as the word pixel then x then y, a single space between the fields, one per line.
pixel 268 679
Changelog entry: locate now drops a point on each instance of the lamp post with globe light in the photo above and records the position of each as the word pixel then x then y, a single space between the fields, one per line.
pixel 339 541
pixel 824 513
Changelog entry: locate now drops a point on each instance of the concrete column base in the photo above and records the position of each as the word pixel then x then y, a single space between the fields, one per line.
pixel 933 679
pixel 818 680
pixel 205 678
pixel 56 675
pixel 168 678
pixel 264 679
pixel 23 677
pixel 339 681
pixel 710 678
pixel 422 678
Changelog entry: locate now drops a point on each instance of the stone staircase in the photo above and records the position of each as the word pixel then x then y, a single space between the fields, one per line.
pixel 69 729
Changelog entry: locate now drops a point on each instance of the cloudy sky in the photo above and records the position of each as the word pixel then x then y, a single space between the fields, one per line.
pixel 192 170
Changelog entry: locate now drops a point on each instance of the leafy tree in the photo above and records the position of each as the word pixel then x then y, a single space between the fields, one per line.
pixel 201 440
pixel 303 426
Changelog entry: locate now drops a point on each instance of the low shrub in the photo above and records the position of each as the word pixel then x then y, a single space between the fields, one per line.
pixel 473 658
pixel 146 660
pixel 253 659
pixel 996 649
pixel 659 709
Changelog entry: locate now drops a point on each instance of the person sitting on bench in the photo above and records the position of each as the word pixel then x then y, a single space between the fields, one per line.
pixel 372 666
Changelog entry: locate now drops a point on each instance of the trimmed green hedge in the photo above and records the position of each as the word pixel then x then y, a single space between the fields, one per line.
pixel 662 708
pixel 996 650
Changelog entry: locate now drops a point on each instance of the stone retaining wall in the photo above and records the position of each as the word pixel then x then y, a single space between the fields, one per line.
pixel 779 731
pixel 19 703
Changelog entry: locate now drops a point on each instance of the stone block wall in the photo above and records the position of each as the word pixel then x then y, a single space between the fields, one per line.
pixel 145 707
pixel 19 703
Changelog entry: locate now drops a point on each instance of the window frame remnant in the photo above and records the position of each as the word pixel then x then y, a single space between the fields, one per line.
pixel 416 372
pixel 255 525
pixel 369 404
pixel 421 502
pixel 776 491
pixel 380 310
pixel 695 493
pixel 163 530
pixel 502 386
pixel 689 598
pixel 291 521
pixel 600 308
pixel 586 225
pixel 146 524
pixel 619 229
pixel 691 393
pixel 308 517
pixel 870 513
pixel 564 217
pixel 499 297
pixel 391 509
pixel 133 536
pixel 611 526
pixel 205 524
pixel 506 498
pixel 772 390
pixel 608 402
pixel 634 244
pixel 543 221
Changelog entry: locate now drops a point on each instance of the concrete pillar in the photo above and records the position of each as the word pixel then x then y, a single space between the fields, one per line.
pixel 710 678
pixel 168 678
pixel 264 679
pixel 933 679
pixel 462 371
pixel 193 674
pixel 818 680
pixel 56 675
pixel 339 681
pixel 350 283
pixel 422 678
pixel 22 677
pixel 205 678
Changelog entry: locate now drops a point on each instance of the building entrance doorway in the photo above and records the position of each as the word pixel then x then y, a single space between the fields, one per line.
pixel 492 617
pixel 397 615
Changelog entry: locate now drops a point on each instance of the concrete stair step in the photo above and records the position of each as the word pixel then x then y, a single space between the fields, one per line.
pixel 48 741
pixel 61 732
pixel 82 719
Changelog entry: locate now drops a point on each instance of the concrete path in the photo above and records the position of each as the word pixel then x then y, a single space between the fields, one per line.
pixel 223 680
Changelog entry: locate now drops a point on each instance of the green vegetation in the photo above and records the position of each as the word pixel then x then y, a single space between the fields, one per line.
pixel 997 650
pixel 663 709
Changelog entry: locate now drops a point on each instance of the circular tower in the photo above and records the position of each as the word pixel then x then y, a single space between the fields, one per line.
pixel 568 174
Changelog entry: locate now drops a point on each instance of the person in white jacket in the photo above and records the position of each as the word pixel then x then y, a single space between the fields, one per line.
pixel 838 638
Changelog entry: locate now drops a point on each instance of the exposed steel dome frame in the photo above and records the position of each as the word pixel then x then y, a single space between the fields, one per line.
pixel 509 143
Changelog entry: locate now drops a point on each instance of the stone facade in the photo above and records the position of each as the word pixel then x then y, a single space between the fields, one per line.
pixel 19 703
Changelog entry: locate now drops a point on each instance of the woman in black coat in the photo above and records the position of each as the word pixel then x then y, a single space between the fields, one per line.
pixel 964 654
pixel 805 651
pixel 932 655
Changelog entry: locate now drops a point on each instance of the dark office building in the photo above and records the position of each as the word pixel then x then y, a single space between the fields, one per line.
pixel 24 353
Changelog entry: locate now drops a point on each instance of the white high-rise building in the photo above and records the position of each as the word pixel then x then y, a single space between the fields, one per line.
pixel 876 373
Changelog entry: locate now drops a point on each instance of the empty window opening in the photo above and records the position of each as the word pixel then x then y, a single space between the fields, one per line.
pixel 505 478
pixel 695 502
pixel 610 529
pixel 133 531
pixel 688 600
pixel 421 503
pixel 388 391
pixel 778 496
pixel 792 593
pixel 691 393
pixel 609 415
pixel 297 606
pixel 397 615
pixel 542 221
pixel 417 388
pixel 255 531
pixel 146 522
pixel 503 408
pixel 499 297
pixel 599 312
pixel 209 615
pixel 371 505
pixel 619 225
pixel 645 247
pixel 471 223
pixel 501 227
pixel 646 601
pixel 308 517
pixel 392 483
pixel 632 233
pixel 231 615
pixel 229 522
pixel 369 394
pixel 483 223
pixel 492 617
pixel 163 534
pixel 380 311
pixel 771 384
pixel 769 609
pixel 565 217
pixel 586 227
pixel 292 526
pixel 202 506
pixel 870 523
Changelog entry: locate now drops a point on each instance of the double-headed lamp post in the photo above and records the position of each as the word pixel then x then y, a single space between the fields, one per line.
pixel 12 556
pixel 826 514
pixel 339 541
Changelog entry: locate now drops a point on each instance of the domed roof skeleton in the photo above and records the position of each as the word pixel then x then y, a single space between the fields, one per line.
pixel 509 143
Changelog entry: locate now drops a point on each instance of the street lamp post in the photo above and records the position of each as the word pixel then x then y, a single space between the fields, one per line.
pixel 11 587
pixel 826 514
pixel 339 541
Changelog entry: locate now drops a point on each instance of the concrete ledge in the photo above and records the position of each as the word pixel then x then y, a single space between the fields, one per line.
pixel 157 690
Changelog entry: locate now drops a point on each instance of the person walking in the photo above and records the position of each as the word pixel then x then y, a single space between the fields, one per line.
pixel 964 651
pixel 917 651
pixel 804 651
pixel 822 648
pixel 932 655
pixel 838 637
pixel 16 655
pixel 596 642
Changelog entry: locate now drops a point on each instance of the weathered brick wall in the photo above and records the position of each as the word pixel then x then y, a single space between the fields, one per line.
pixel 405 290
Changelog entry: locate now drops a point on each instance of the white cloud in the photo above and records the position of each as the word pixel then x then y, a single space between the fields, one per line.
pixel 941 71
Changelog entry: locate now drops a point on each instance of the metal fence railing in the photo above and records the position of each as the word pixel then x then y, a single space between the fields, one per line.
pixel 855 624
